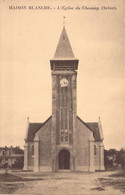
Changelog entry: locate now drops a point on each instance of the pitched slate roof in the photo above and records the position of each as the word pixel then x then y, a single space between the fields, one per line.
pixel 94 127
pixel 64 50
pixel 33 128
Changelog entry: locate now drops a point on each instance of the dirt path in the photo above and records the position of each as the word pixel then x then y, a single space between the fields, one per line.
pixel 69 184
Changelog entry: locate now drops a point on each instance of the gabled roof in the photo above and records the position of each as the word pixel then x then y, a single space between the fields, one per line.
pixel 33 128
pixel 64 50
pixel 94 127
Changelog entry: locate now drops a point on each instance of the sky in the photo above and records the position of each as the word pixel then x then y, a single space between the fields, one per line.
pixel 28 41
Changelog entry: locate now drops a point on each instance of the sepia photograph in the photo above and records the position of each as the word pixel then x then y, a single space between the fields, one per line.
pixel 62 97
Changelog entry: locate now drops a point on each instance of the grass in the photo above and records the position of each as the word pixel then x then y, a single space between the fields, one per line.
pixel 11 182
pixel 7 183
pixel 9 177
pixel 12 178
pixel 120 173
pixel 116 180
pixel 98 189
pixel 7 188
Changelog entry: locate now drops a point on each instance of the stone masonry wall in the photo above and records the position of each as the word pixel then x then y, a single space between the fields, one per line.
pixel 83 136
pixel 45 144
pixel 30 155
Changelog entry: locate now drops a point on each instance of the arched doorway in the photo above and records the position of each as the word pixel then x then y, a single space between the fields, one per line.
pixel 64 159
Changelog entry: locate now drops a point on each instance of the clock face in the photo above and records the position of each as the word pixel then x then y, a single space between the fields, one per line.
pixel 63 82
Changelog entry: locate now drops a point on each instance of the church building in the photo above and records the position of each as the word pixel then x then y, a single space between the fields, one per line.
pixel 64 142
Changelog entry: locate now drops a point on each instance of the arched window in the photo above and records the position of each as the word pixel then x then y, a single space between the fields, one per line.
pixel 95 149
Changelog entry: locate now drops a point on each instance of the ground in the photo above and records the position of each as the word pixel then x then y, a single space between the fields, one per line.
pixel 99 183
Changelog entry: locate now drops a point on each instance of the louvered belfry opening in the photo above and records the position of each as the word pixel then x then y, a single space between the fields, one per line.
pixel 64 65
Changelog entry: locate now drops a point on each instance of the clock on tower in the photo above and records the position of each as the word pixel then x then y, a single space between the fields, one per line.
pixel 63 82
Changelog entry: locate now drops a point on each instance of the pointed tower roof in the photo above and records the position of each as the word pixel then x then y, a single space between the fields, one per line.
pixel 64 58
pixel 64 49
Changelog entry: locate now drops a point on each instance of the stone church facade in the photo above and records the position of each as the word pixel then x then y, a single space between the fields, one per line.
pixel 64 141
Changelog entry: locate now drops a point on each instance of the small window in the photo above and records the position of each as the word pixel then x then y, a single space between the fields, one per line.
pixel 66 136
pixel 95 149
pixel 32 150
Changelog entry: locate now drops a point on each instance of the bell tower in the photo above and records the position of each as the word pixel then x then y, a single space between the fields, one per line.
pixel 64 107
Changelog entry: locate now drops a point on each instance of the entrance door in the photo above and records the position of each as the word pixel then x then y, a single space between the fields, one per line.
pixel 64 159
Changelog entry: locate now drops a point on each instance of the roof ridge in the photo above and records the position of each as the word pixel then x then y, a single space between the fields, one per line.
pixel 43 123
pixel 33 128
pixel 84 123
pixel 94 127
